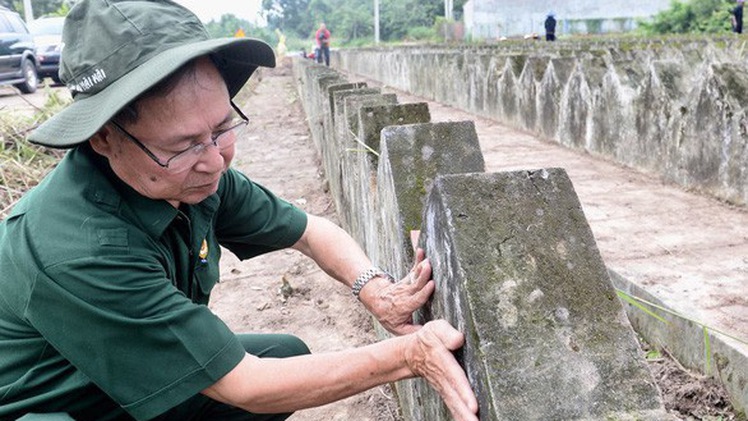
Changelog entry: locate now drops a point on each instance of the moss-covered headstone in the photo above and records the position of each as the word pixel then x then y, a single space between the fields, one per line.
pixel 518 271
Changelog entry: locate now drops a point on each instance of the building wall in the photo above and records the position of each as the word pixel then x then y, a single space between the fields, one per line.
pixel 486 19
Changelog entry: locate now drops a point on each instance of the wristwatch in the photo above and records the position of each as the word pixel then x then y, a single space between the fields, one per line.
pixel 367 276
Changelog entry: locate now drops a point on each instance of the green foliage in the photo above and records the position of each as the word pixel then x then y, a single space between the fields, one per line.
pixel 421 33
pixel 457 12
pixel 635 302
pixel 648 308
pixel 40 7
pixel 62 11
pixel 398 16
pixel 707 351
pixel 229 24
pixel 653 354
pixel 319 11
pixel 693 16
pixel 360 42
pixel 350 20
pixel 295 45
pixel 290 16
pixel 594 26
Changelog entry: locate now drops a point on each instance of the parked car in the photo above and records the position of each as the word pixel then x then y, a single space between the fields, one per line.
pixel 17 53
pixel 47 32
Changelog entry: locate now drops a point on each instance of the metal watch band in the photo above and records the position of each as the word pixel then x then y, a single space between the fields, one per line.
pixel 367 276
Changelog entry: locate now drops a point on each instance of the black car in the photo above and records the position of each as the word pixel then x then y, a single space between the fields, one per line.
pixel 18 60
pixel 47 32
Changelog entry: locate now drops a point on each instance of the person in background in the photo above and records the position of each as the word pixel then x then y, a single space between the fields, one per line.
pixel 550 27
pixel 323 44
pixel 107 266
pixel 737 17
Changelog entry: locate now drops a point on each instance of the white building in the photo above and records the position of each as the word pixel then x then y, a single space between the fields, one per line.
pixel 491 19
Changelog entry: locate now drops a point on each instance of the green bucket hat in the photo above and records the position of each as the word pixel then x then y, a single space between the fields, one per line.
pixel 114 50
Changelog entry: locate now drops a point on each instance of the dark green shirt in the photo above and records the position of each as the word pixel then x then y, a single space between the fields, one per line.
pixel 102 288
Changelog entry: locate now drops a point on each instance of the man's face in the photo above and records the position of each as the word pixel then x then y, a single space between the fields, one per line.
pixel 194 110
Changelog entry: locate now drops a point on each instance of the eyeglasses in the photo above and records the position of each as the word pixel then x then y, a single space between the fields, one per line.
pixel 187 158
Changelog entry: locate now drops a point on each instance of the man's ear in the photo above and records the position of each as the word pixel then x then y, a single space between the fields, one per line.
pixel 103 141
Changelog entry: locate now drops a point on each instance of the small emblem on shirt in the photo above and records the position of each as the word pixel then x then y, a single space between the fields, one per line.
pixel 204 252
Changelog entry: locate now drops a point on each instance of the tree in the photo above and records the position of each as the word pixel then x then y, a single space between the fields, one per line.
pixel 290 16
pixel 693 16
pixel 352 19
pixel 320 11
pixel 355 22
pixel 399 16
pixel 229 24
pixel 458 8
pixel 40 7
pixel 349 20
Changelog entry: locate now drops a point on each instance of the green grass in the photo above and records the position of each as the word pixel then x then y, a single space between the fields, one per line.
pixel 651 310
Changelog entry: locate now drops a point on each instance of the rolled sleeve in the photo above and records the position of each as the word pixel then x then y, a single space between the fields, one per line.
pixel 252 220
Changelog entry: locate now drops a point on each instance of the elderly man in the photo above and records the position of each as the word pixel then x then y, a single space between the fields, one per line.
pixel 106 266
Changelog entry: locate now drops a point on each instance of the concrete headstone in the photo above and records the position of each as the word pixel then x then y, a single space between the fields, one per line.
pixel 518 271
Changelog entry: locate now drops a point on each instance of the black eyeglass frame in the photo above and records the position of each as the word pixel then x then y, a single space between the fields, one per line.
pixel 213 138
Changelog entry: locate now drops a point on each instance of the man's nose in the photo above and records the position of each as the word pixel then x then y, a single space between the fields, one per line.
pixel 212 158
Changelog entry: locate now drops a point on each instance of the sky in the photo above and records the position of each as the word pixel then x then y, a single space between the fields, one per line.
pixel 208 10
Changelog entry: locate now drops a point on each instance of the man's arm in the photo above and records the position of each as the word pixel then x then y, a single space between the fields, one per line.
pixel 341 257
pixel 269 385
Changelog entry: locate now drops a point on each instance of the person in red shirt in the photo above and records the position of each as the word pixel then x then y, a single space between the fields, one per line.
pixel 323 44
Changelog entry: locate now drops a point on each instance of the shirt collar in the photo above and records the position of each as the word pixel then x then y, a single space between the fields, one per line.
pixel 108 191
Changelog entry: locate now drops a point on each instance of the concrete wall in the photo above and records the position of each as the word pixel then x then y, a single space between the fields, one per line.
pixel 491 19
pixel 674 108
pixel 516 265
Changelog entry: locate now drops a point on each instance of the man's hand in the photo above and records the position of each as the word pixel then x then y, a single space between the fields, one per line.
pixel 339 256
pixel 280 385
pixel 431 357
pixel 393 304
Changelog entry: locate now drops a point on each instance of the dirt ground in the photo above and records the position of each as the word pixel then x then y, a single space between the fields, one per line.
pixel 285 292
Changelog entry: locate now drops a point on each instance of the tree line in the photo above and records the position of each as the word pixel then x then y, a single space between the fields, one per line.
pixel 692 17
pixel 352 21
pixel 40 7
pixel 349 20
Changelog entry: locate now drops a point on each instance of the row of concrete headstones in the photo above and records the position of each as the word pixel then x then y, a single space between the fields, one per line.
pixel 515 263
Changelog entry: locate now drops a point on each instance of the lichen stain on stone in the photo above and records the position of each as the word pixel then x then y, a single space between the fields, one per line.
pixel 427 152
pixel 534 296
pixel 562 250
pixel 507 313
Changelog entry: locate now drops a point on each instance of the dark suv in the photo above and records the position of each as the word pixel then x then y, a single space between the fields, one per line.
pixel 47 32
pixel 17 53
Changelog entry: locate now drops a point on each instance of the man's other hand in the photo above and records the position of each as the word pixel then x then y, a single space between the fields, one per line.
pixel 393 304
pixel 431 357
